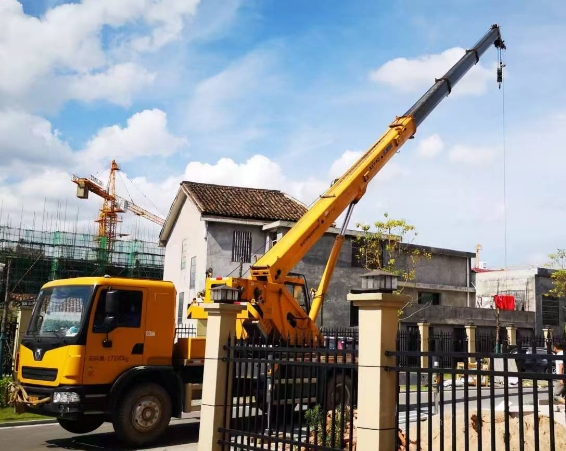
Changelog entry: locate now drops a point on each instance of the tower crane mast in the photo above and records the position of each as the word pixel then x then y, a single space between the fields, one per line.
pixel 112 205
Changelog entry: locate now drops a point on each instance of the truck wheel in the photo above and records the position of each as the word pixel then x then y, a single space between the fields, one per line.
pixel 81 426
pixel 143 414
pixel 339 392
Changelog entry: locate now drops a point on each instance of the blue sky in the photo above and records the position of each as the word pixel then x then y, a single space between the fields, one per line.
pixel 285 94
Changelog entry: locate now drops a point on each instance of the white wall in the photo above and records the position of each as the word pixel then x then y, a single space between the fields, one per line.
pixel 191 228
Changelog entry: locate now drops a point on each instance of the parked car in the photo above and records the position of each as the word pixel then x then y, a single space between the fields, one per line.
pixel 538 364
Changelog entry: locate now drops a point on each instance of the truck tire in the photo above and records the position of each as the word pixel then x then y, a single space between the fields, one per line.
pixel 82 426
pixel 142 414
pixel 339 386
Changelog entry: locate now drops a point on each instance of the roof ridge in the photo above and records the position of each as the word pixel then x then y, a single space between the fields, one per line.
pixel 234 186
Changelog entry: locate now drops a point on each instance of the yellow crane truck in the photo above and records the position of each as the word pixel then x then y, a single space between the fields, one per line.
pixel 104 349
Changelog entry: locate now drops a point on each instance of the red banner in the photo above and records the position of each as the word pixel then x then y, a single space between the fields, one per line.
pixel 504 302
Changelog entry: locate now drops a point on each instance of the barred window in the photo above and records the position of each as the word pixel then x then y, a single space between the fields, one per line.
pixel 550 311
pixel 184 254
pixel 193 272
pixel 357 260
pixel 242 247
pixel 180 308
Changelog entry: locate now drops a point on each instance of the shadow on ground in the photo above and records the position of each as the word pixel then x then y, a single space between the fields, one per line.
pixel 176 434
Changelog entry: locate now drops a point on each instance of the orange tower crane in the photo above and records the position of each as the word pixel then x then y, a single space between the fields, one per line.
pixel 113 204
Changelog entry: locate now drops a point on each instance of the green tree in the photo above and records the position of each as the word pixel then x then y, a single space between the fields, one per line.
pixel 558 263
pixel 389 246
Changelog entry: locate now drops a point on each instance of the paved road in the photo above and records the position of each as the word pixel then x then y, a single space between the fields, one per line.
pixel 484 398
pixel 181 435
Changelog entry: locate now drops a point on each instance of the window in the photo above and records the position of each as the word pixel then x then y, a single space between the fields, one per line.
pixel 184 247
pixel 426 297
pixel 130 310
pixel 357 259
pixel 180 308
pixel 242 247
pixel 550 311
pixel 193 272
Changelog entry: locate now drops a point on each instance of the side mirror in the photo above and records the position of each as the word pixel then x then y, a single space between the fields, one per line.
pixel 112 306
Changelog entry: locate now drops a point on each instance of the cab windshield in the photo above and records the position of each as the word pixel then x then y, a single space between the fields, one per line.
pixel 59 311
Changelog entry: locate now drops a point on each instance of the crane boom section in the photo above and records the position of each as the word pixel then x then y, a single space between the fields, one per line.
pixel 275 264
pixel 292 247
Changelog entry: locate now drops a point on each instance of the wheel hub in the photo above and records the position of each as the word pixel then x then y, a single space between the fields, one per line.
pixel 146 414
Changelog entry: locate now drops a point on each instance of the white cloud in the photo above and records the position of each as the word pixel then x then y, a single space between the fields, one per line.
pixel 116 84
pixel 417 74
pixel 38 164
pixel 145 134
pixel 389 172
pixel 430 146
pixel 347 159
pixel 67 42
pixel 167 19
pixel 471 155
pixel 30 139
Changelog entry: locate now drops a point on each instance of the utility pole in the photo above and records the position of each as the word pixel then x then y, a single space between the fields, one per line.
pixel 3 337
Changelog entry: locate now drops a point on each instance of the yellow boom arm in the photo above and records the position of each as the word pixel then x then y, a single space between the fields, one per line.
pixel 269 303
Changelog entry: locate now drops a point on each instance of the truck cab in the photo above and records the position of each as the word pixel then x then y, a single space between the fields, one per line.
pixel 101 349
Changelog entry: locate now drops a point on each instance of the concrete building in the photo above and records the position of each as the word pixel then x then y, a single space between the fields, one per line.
pixel 221 230
pixel 529 286
pixel 218 230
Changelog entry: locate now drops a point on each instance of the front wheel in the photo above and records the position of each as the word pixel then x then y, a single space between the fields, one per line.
pixel 143 414
pixel 81 426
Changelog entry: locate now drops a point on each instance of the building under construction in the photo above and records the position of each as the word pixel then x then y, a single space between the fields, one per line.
pixel 39 256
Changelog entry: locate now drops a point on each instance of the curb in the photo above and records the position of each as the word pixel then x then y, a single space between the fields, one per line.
pixel 16 423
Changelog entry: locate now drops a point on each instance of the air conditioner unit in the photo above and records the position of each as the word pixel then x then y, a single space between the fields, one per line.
pixel 483 265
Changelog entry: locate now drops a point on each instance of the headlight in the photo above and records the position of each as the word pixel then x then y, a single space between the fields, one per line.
pixel 65 397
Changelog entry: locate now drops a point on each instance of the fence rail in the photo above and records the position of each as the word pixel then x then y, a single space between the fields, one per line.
pixel 286 397
pixel 482 400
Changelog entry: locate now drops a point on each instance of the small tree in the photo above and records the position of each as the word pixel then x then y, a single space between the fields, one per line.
pixel 389 247
pixel 558 262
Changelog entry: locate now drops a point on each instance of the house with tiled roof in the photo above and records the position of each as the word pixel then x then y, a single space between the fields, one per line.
pixel 222 230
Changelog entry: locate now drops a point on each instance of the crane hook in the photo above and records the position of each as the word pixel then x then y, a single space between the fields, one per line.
pixel 500 73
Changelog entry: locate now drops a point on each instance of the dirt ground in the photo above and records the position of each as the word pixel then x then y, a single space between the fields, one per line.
pixel 474 425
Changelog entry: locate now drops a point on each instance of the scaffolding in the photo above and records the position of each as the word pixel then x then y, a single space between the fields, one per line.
pixel 40 256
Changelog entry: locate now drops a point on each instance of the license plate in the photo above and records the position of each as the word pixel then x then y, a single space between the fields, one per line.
pixel 33 398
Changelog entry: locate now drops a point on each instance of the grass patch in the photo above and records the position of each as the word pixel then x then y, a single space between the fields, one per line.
pixel 403 388
pixel 7 414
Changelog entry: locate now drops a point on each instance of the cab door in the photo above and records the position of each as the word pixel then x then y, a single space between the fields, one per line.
pixel 111 351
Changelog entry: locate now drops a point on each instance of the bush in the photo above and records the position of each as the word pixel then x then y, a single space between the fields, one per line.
pixel 320 423
pixel 4 382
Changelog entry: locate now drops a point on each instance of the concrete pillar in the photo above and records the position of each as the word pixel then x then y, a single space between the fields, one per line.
pixel 221 323
pixel 471 334
pixel 424 332
pixel 378 325
pixel 512 334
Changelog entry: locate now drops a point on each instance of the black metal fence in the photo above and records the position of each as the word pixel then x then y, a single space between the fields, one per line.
pixel 409 341
pixel 511 400
pixel 287 396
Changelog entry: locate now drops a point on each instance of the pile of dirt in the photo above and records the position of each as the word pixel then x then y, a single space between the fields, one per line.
pixel 474 425
pixel 403 445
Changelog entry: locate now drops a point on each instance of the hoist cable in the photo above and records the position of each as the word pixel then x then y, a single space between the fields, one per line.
pixel 502 85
